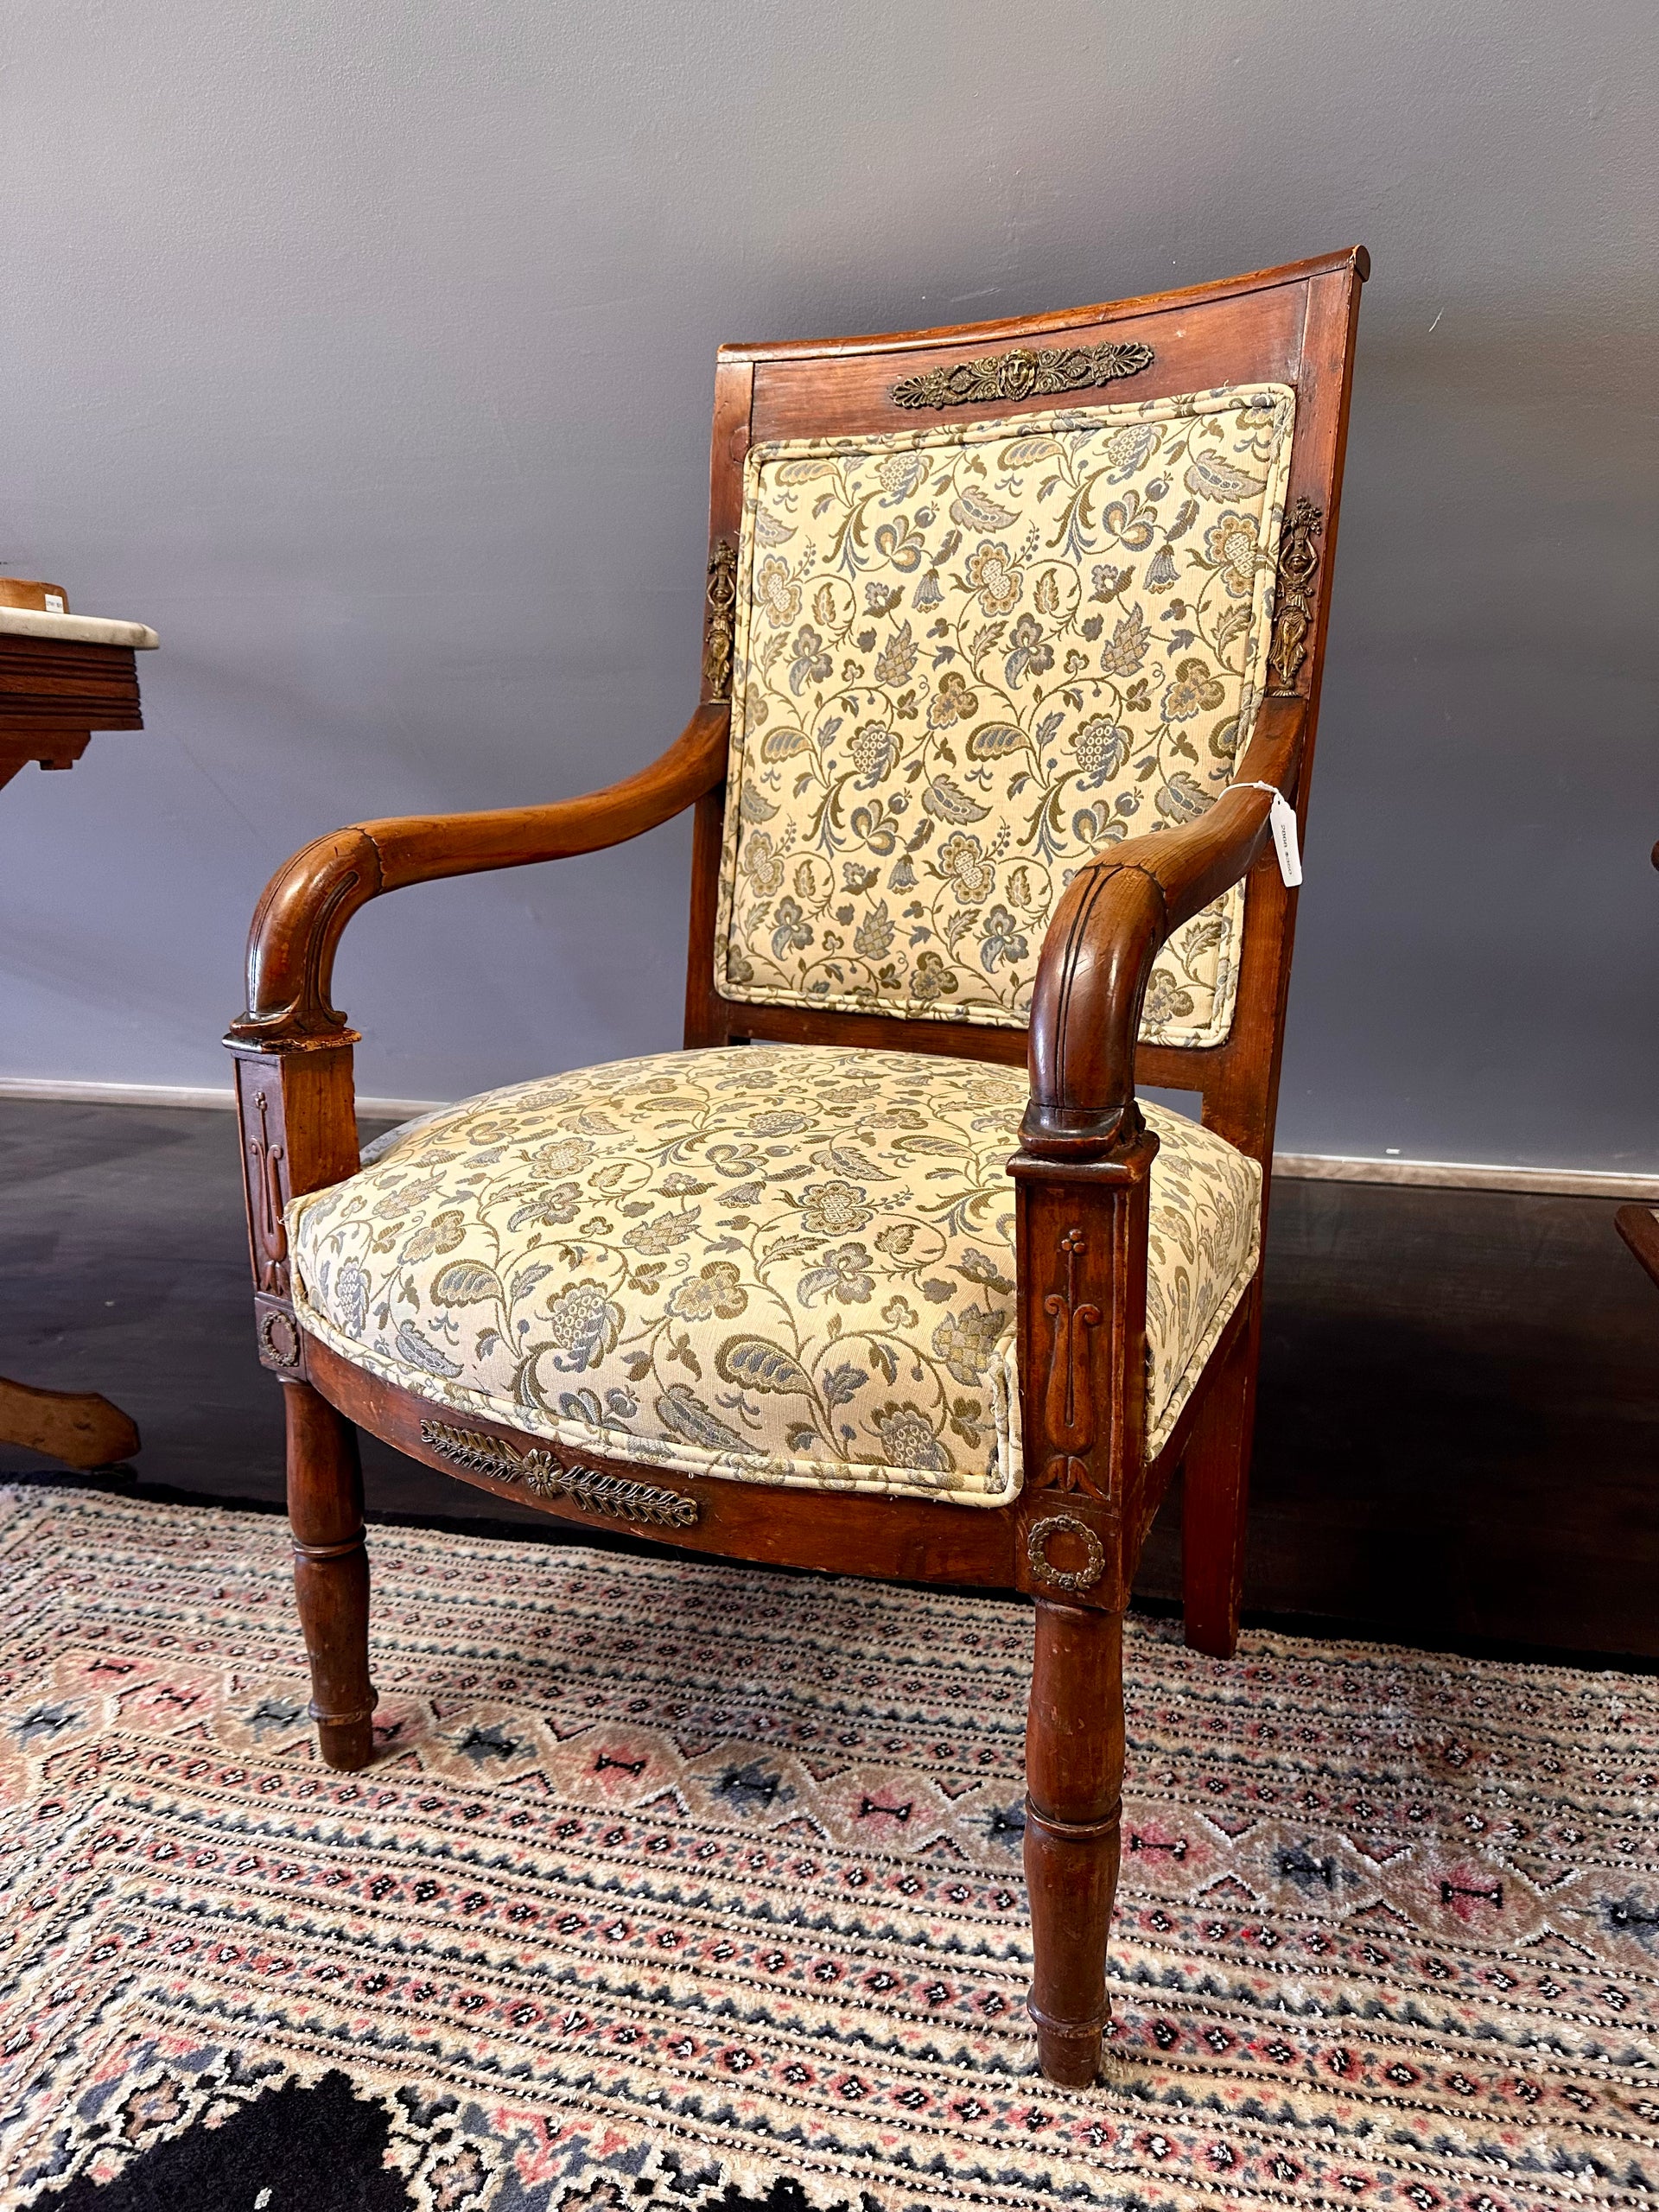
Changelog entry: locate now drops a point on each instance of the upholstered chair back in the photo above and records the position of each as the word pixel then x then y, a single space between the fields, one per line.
pixel 968 656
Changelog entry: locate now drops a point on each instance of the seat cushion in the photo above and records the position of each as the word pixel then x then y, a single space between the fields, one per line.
pixel 967 656
pixel 771 1263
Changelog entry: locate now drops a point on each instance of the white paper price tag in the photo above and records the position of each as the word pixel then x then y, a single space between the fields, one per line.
pixel 1282 820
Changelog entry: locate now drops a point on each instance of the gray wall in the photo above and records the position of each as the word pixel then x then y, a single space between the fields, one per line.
pixel 366 350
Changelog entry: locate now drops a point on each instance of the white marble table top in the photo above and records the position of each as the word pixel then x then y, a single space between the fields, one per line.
pixel 81 629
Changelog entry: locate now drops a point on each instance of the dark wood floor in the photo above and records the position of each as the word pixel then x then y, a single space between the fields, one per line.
pixel 1458 1442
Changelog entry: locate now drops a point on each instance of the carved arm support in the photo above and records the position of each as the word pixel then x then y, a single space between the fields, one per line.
pixel 1108 929
pixel 298 923
pixel 1082 1179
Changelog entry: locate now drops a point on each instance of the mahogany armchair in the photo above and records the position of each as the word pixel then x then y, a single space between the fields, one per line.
pixel 1012 633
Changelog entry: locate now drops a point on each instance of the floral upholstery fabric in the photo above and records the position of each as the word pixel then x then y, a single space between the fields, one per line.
pixel 777 1265
pixel 967 657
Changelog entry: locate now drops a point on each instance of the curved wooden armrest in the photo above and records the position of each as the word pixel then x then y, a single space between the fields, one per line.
pixel 299 921
pixel 1117 912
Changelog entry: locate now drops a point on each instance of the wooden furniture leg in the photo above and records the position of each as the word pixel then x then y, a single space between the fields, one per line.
pixel 1074 1788
pixel 1218 1495
pixel 331 1573
pixel 1639 1227
pixel 81 1427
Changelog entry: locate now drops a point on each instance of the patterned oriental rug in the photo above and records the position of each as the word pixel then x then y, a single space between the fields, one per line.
pixel 688 1886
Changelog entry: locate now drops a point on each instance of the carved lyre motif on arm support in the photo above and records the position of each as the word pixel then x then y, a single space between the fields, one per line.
pixel 266 1199
pixel 1069 1401
pixel 1082 1230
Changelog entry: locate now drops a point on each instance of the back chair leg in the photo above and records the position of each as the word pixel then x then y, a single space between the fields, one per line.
pixel 331 1573
pixel 1074 1788
pixel 1218 1496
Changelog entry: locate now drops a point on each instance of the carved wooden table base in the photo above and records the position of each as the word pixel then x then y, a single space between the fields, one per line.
pixel 78 1426
pixel 53 694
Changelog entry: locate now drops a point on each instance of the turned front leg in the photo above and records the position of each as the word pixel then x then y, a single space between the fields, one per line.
pixel 331 1572
pixel 1074 1788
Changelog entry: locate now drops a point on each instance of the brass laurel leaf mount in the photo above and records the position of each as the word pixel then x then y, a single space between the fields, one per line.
pixel 642 1503
pixel 1041 1534
pixel 279 1337
pixel 1293 614
pixel 1024 373
pixel 722 611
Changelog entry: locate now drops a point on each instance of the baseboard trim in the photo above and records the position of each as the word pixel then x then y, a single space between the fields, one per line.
pixel 173 1094
pixel 1297 1166
pixel 1466 1175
